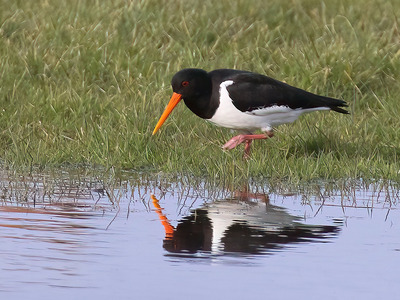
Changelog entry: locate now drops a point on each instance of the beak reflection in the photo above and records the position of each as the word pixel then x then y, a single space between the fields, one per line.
pixel 246 223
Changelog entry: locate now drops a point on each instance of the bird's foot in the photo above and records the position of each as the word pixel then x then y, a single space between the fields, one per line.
pixel 245 138
pixel 235 141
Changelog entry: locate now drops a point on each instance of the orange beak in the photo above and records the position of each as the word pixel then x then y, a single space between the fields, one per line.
pixel 171 105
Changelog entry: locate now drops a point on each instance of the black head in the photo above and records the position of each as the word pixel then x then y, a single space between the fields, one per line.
pixel 194 87
pixel 191 83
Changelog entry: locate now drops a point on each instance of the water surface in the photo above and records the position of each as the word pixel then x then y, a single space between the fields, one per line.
pixel 81 236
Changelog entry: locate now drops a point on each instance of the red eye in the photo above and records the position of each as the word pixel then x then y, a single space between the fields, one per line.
pixel 185 83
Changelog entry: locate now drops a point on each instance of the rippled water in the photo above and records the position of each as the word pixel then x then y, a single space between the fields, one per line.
pixel 79 236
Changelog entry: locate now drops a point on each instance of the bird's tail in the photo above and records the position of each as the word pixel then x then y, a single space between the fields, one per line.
pixel 334 104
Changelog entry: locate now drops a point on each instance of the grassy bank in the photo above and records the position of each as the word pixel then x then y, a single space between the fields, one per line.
pixel 84 82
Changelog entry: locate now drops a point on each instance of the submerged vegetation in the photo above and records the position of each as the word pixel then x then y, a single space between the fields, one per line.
pixel 84 82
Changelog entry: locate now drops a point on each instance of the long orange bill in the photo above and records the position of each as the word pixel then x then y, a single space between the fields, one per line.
pixel 171 105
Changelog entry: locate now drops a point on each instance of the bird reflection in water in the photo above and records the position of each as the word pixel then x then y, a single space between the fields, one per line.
pixel 246 223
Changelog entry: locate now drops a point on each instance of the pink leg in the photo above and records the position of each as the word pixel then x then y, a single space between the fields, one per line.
pixel 247 145
pixel 248 138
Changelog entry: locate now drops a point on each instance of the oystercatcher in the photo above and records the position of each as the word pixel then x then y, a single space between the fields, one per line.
pixel 244 101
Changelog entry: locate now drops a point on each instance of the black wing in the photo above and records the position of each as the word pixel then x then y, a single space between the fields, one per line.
pixel 251 91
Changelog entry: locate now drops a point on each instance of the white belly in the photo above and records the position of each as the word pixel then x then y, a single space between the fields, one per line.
pixel 227 115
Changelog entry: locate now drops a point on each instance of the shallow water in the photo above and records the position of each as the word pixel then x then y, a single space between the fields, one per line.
pixel 69 236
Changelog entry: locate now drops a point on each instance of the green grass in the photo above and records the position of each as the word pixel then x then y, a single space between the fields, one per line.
pixel 84 83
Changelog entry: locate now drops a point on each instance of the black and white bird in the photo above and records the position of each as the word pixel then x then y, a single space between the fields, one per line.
pixel 243 101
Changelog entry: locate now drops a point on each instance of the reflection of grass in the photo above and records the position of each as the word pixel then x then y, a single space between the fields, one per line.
pixel 79 190
pixel 85 82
